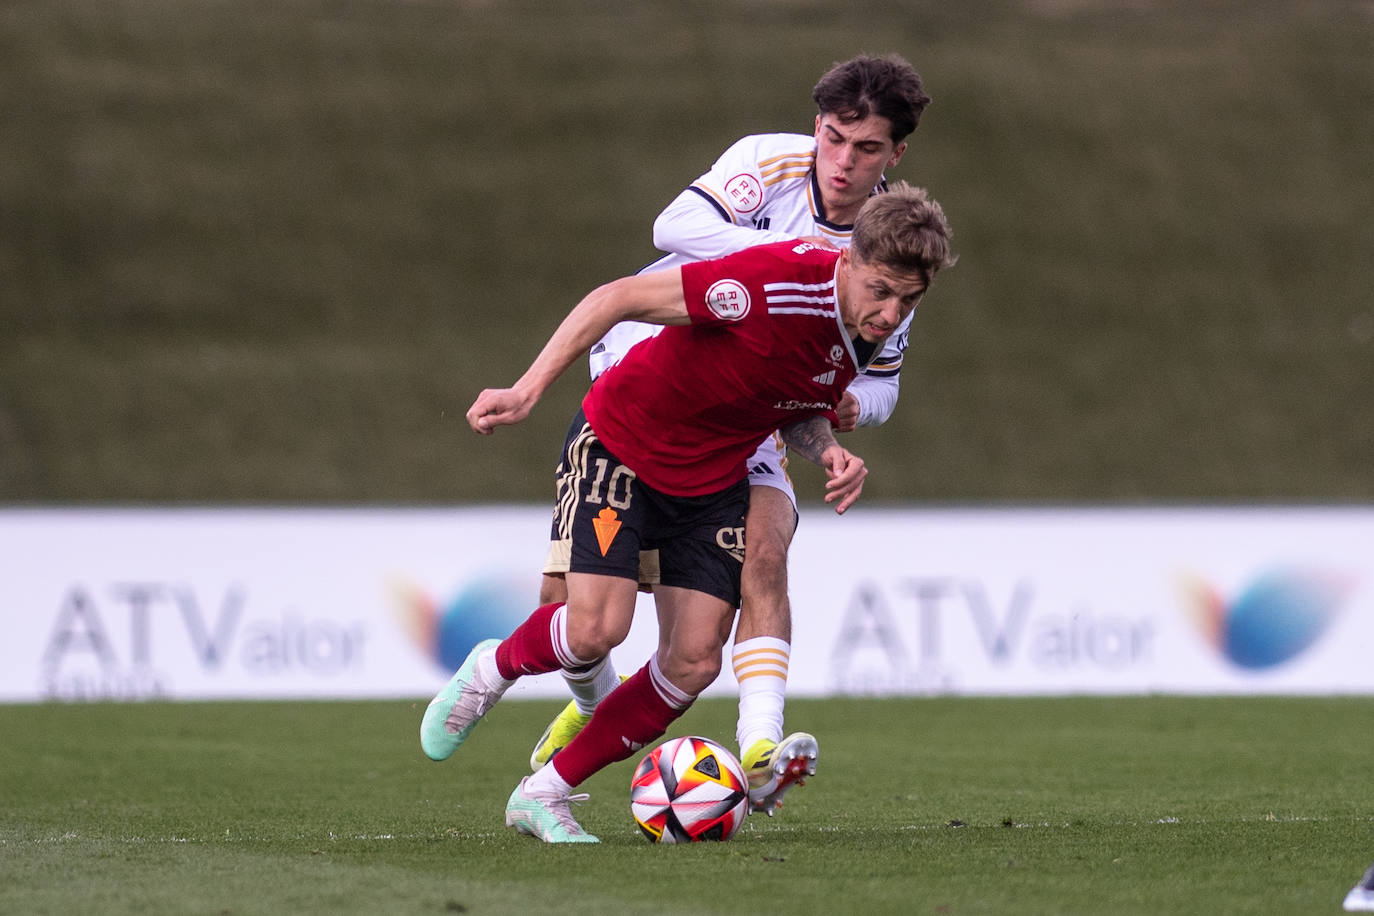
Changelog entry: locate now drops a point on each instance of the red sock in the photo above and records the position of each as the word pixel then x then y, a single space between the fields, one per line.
pixel 631 717
pixel 530 649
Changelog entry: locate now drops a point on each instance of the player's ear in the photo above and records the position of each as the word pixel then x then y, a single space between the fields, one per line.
pixel 897 155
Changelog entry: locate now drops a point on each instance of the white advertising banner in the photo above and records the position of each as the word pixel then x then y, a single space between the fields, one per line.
pixel 1075 601
pixel 345 603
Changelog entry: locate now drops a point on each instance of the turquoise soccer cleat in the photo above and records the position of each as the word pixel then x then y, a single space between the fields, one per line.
pixel 547 817
pixel 462 703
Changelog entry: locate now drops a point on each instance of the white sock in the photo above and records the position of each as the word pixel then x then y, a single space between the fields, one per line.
pixel 590 687
pixel 585 677
pixel 547 782
pixel 760 666
pixel 487 672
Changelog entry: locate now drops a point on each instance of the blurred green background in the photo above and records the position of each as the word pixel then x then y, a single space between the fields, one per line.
pixel 268 251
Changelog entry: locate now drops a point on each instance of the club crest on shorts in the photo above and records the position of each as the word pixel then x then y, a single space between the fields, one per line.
pixel 606 525
pixel 728 300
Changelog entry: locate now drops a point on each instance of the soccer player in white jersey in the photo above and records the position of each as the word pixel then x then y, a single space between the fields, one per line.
pixel 764 338
pixel 767 188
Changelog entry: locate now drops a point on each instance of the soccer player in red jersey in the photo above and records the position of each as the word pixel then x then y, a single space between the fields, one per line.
pixel 761 340
pixel 766 188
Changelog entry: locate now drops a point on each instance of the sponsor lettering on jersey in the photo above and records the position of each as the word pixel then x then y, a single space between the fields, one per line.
pixel 802 405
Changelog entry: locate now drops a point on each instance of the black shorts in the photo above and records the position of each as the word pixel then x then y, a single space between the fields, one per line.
pixel 607 521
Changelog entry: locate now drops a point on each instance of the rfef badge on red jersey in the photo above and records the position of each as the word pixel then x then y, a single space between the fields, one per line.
pixel 728 300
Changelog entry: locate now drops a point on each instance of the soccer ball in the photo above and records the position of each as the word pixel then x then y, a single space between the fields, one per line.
pixel 687 790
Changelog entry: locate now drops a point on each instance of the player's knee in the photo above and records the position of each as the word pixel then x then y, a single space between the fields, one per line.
pixel 765 554
pixel 593 639
pixel 764 576
pixel 691 673
pixel 764 606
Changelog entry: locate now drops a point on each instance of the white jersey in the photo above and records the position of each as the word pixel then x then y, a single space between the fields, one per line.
pixel 762 189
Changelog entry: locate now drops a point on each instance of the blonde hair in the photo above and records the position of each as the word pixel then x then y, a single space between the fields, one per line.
pixel 903 230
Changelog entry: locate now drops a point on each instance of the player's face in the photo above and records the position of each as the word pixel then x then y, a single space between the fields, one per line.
pixel 850 160
pixel 875 301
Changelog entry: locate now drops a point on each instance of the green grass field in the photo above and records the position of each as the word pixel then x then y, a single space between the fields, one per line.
pixel 938 806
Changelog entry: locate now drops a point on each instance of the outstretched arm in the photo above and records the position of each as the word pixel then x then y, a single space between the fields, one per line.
pixel 654 297
pixel 814 440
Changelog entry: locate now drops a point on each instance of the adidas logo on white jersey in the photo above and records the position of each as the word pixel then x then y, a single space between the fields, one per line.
pixel 825 378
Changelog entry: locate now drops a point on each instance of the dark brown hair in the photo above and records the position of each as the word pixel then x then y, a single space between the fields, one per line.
pixel 865 85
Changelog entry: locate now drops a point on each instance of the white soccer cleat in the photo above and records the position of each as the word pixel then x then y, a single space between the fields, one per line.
pixel 773 769
pixel 1361 896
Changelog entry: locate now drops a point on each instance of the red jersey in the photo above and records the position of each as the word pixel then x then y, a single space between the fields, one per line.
pixel 766 347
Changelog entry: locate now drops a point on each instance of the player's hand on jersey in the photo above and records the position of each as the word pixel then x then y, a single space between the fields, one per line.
pixel 847 412
pixel 498 407
pixel 820 241
pixel 846 472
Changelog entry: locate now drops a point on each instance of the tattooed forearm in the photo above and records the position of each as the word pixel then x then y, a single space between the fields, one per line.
pixel 809 437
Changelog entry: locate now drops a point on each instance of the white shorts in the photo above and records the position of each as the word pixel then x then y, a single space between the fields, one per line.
pixel 768 467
